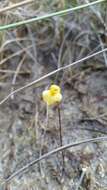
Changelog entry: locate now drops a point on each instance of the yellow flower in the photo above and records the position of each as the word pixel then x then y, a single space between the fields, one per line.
pixel 53 95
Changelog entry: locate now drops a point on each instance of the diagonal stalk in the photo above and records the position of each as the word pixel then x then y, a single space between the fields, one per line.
pixel 49 15
pixel 56 150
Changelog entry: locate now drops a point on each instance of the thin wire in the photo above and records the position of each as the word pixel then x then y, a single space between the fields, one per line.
pixel 58 13
pixel 50 74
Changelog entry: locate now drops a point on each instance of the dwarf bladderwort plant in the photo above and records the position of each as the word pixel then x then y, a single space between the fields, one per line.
pixel 53 97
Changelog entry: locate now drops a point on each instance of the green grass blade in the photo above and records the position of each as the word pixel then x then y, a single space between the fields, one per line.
pixel 59 13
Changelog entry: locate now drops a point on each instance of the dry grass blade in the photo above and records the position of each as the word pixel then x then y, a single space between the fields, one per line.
pixel 81 178
pixel 15 54
pixel 54 152
pixel 13 6
pixel 16 73
pixel 102 47
pixel 13 72
pixel 7 42
pixel 52 73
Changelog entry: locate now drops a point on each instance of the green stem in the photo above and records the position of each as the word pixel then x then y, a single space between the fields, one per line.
pixel 58 13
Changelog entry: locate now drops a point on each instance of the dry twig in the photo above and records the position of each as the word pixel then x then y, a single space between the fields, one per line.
pixel 52 73
pixel 23 169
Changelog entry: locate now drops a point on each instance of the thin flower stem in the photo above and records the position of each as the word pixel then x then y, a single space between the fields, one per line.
pixel 47 116
pixel 61 139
